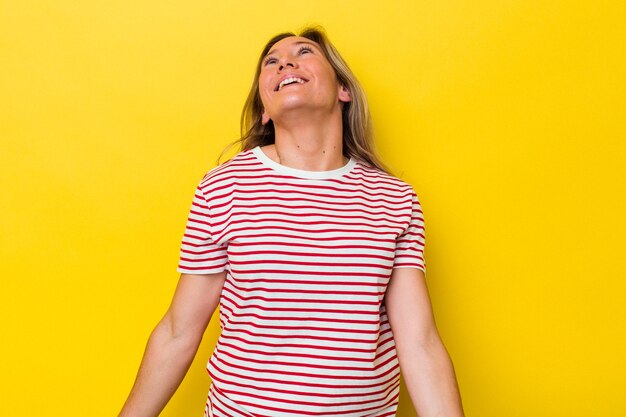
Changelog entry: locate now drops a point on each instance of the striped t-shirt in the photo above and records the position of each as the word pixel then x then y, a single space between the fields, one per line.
pixel 308 256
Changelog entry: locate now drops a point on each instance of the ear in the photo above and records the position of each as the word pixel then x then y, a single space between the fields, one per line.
pixel 344 94
pixel 265 118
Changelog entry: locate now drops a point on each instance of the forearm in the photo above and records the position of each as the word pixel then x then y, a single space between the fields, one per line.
pixel 165 362
pixel 431 381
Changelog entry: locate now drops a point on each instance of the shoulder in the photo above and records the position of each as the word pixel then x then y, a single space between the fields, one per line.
pixel 228 169
pixel 375 178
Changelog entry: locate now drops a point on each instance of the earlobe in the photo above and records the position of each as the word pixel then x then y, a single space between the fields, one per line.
pixel 265 118
pixel 344 94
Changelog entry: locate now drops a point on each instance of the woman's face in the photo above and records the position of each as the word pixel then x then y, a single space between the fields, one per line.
pixel 295 74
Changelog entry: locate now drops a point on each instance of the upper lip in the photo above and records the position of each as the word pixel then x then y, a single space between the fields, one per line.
pixel 284 77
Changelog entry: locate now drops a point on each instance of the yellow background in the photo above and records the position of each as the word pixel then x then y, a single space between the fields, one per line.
pixel 506 116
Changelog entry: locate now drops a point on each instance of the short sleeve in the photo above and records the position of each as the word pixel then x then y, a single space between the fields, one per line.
pixel 199 254
pixel 410 244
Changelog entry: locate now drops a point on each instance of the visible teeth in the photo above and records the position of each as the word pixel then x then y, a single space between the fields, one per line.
pixel 289 81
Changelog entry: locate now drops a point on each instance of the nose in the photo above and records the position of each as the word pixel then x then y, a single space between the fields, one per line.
pixel 285 62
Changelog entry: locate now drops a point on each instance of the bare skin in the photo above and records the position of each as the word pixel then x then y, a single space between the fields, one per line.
pixel 173 344
pixel 424 361
pixel 307 117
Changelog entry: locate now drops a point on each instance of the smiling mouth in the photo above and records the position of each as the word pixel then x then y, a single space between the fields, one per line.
pixel 289 81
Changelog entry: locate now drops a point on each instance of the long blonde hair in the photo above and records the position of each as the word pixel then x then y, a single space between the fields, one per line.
pixel 358 137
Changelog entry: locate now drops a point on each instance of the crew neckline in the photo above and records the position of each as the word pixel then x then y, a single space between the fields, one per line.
pixel 301 173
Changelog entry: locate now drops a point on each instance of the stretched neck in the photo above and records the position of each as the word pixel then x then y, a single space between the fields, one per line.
pixel 312 141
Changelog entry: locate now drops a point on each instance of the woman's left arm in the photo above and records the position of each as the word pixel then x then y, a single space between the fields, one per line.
pixel 424 361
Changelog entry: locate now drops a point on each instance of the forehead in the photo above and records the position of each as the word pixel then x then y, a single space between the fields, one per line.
pixel 289 42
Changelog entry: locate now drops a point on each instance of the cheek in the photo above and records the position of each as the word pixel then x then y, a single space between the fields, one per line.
pixel 329 75
pixel 266 99
pixel 264 93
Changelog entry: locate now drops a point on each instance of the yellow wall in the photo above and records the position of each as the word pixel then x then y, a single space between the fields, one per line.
pixel 506 116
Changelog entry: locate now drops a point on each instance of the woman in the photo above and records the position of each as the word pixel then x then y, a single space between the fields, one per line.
pixel 314 252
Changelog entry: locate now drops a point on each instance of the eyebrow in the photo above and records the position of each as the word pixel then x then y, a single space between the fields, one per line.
pixel 296 43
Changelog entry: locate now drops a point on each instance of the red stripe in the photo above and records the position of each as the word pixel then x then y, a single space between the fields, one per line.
pixel 308 262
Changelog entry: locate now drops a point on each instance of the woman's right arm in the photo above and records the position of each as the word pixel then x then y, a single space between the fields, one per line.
pixel 173 344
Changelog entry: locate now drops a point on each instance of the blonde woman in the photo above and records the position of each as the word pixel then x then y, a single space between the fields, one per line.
pixel 314 252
